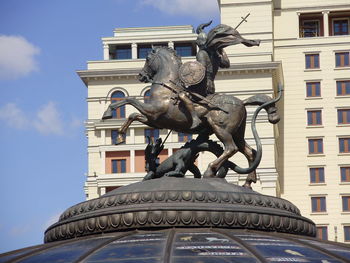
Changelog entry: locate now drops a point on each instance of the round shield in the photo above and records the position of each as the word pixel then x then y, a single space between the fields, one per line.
pixel 191 73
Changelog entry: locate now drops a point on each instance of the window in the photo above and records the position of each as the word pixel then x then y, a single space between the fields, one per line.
pixel 345 174
pixel 151 134
pixel 122 52
pixel 343 87
pixel 119 166
pixel 322 232
pixel 316 175
pixel 147 96
pixel 344 116
pixel 314 117
pixel 342 59
pixel 311 25
pixel 346 233
pixel 185 49
pixel 315 146
pixel 312 61
pixel 114 137
pixel 344 145
pixel 340 26
pixel 318 204
pixel 313 89
pixel 310 28
pixel 119 112
pixel 346 203
pixel 184 137
pixel 143 50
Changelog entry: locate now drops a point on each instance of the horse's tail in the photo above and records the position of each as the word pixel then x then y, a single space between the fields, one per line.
pixel 267 103
pixel 264 102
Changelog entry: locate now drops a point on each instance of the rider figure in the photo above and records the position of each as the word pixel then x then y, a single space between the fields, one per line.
pixel 211 59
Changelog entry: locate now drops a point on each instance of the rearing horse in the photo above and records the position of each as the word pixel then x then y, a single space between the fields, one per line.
pixel 164 110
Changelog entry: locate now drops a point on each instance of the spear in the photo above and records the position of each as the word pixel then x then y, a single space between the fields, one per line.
pixel 244 19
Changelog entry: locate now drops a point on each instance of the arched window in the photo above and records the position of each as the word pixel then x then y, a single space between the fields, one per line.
pixel 147 96
pixel 120 112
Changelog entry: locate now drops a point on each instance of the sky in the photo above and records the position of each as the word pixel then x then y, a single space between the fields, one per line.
pixel 43 154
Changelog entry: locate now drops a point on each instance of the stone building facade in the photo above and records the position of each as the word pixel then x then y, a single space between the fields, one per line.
pixel 305 47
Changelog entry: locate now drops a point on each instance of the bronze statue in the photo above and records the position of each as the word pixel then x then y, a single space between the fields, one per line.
pixel 223 115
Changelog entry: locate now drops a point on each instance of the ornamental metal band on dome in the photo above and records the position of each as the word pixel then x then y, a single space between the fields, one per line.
pixel 170 218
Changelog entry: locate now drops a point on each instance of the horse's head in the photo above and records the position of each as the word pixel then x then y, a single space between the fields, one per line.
pixel 150 68
pixel 159 58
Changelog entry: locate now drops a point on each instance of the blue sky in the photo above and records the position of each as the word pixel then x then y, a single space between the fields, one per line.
pixel 42 103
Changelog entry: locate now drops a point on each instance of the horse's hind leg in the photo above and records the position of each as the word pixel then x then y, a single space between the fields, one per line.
pixel 230 149
pixel 250 154
pixel 247 151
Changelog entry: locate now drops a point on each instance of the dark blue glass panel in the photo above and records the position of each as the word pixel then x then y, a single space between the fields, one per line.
pixel 6 257
pixel 208 247
pixel 320 146
pixel 276 249
pixel 341 27
pixel 316 61
pixel 123 53
pixel 324 233
pixel 123 166
pixel 308 61
pixel 184 50
pixel 347 235
pixel 119 112
pixel 142 52
pixel 338 250
pixel 114 166
pixel 311 146
pixel 318 89
pixel 345 174
pixel 140 248
pixel 341 145
pixel 346 207
pixel 65 253
pixel 323 204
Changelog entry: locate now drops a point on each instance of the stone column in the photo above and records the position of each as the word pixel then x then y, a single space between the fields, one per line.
pixel 134 51
pixel 102 190
pixel 171 44
pixel 105 51
pixel 132 161
pixel 298 23
pixel 103 137
pixel 325 23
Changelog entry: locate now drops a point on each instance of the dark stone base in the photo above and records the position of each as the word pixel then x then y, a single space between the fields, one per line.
pixel 180 202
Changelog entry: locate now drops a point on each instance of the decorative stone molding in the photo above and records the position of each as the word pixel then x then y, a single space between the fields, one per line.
pixel 179 202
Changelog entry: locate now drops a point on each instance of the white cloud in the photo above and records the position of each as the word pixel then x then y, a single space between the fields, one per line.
pixel 203 9
pixel 16 57
pixel 13 116
pixel 48 120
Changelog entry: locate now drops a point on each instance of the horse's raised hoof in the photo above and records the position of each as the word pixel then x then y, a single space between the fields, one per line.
pixel 107 115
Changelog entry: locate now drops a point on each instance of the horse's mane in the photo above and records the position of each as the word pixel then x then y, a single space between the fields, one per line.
pixel 171 51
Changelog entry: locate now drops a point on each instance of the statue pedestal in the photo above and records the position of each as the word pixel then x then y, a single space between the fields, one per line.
pixel 180 202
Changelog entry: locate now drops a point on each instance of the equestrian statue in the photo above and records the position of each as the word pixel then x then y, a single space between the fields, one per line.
pixel 183 99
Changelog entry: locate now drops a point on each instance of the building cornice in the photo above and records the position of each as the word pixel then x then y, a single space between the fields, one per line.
pixel 237 68
pixel 313 8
